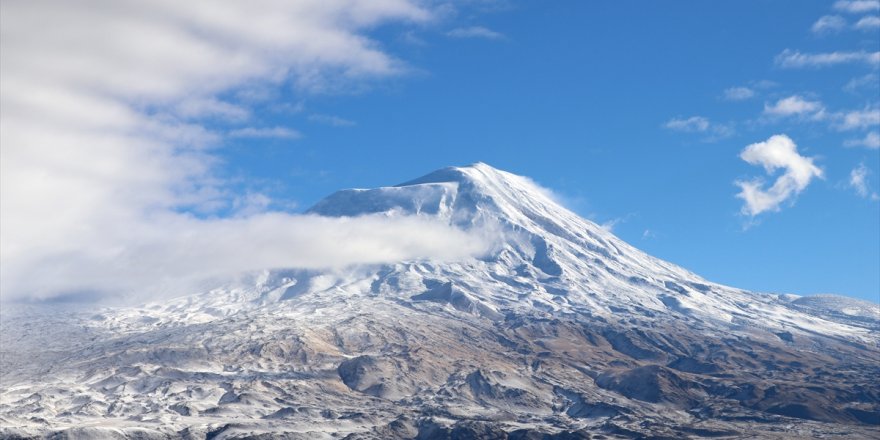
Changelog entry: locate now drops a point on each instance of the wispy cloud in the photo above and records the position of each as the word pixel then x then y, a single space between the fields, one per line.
pixel 265 132
pixel 857 6
pixel 700 124
pixel 777 152
pixel 828 24
pixel 858 119
pixel 738 93
pixel 870 81
pixel 870 22
pixel 611 224
pixel 475 32
pixel 871 141
pixel 690 125
pixel 335 121
pixel 858 180
pixel 795 59
pixel 835 23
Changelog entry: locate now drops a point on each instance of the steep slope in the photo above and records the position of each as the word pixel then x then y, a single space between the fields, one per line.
pixel 560 328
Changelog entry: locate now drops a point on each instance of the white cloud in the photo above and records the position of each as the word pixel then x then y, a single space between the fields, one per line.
pixel 857 6
pixel 101 147
pixel 174 253
pixel 793 59
pixel 868 23
pixel 777 152
pixel 858 180
pixel 738 93
pixel 871 140
pixel 475 32
pixel 858 119
pixel 829 23
pixel 335 121
pixel 265 132
pixel 795 106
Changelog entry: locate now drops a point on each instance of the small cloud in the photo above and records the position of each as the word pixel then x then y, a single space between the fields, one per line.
pixel 475 32
pixel 858 180
pixel 870 22
pixel 268 132
pixel 828 24
pixel 794 59
pixel 869 81
pixel 689 125
pixel 857 6
pixel 738 93
pixel 871 141
pixel 700 124
pixel 764 84
pixel 795 106
pixel 777 152
pixel 648 234
pixel 335 121
pixel 858 119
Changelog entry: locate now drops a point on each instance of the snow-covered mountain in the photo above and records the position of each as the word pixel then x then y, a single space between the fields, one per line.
pixel 561 329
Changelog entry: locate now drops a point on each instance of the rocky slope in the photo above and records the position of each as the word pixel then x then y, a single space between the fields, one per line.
pixel 560 331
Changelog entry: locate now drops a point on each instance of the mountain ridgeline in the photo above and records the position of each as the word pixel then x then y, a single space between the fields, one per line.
pixel 560 330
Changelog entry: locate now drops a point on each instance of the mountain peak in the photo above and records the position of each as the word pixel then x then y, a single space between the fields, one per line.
pixel 475 172
pixel 447 191
pixel 536 230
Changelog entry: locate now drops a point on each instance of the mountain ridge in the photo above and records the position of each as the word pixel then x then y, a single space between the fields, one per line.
pixel 561 329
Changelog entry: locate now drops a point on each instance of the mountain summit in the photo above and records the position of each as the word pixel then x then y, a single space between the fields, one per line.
pixel 560 330
pixel 552 256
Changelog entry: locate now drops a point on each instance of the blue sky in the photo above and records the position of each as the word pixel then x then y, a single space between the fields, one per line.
pixel 578 95
pixel 635 113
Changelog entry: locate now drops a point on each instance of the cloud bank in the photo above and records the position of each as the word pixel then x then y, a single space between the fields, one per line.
pixel 777 152
pixel 170 254
pixel 106 140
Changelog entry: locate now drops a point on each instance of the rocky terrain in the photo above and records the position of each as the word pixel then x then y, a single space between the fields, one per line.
pixel 560 331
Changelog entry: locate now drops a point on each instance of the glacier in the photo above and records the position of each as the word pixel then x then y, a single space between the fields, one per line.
pixel 560 330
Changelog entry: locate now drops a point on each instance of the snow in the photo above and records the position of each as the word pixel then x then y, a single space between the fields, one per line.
pixel 176 362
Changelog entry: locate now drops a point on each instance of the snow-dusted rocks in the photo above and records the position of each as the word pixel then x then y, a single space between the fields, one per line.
pixel 560 329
